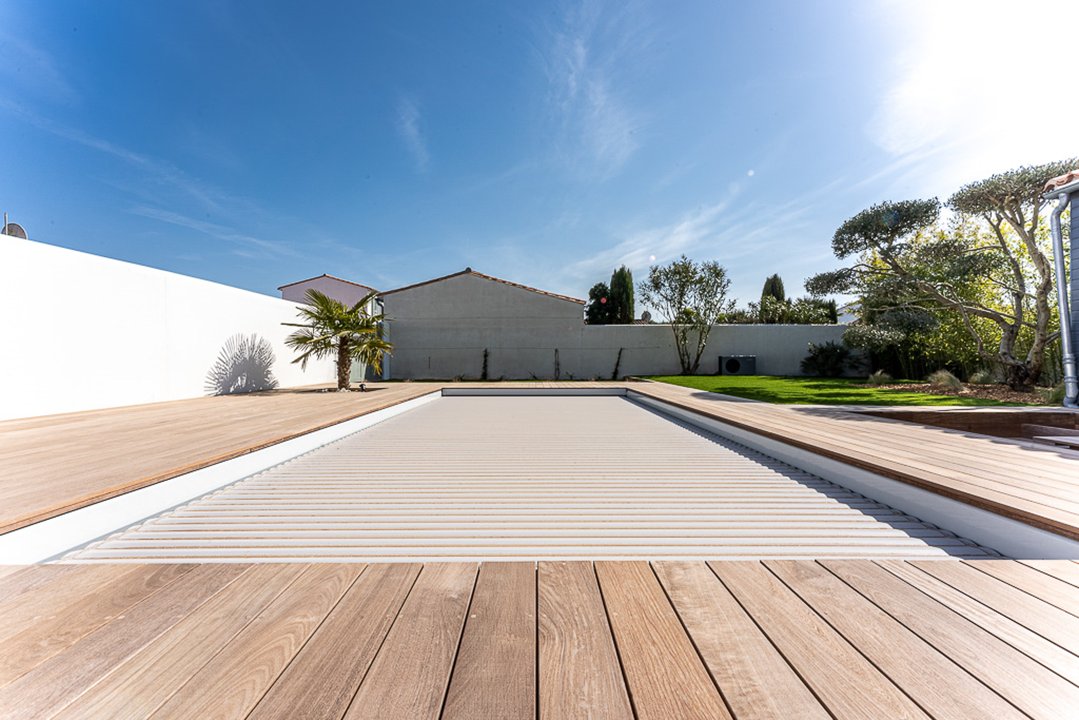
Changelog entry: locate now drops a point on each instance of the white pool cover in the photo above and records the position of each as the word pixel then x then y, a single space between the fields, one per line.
pixel 528 478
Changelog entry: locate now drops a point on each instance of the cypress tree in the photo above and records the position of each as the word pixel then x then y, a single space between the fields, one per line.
pixel 622 310
pixel 774 286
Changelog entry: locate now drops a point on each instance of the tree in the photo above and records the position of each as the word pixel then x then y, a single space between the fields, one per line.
pixel 773 287
pixel 989 265
pixel 598 310
pixel 694 297
pixel 333 329
pixel 622 310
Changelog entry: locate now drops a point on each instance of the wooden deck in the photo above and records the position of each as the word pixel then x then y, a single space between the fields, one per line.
pixel 53 464
pixel 1037 485
pixel 56 463
pixel 558 640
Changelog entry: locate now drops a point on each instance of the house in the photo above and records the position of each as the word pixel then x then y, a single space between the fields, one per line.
pixel 468 324
pixel 337 288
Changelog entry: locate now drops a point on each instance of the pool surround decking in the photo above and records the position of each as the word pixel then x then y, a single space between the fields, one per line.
pixel 53 464
pixel 553 640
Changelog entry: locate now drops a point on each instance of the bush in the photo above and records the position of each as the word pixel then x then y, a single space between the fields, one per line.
pixel 879 378
pixel 945 380
pixel 1053 395
pixel 828 360
pixel 981 377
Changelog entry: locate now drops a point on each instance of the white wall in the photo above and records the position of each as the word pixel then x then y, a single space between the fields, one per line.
pixel 441 329
pixel 85 332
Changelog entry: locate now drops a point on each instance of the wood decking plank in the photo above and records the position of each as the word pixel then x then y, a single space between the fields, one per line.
pixel 7 570
pixel 938 685
pixel 145 680
pixel 201 431
pixel 1031 687
pixel 847 684
pixel 236 678
pixel 1043 586
pixel 495 672
pixel 322 679
pixel 665 676
pixel 1060 569
pixel 409 676
pixel 579 674
pixel 1018 636
pixel 865 442
pixel 59 680
pixel 36 580
pixel 51 633
pixel 67 589
pixel 1048 621
pixel 753 676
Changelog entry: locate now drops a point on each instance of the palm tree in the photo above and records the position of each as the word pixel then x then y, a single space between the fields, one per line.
pixel 333 329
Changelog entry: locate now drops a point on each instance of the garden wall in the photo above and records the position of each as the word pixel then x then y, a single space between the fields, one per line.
pixel 448 349
pixel 85 332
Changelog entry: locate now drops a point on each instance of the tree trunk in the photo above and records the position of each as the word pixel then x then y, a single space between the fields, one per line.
pixel 344 366
pixel 681 344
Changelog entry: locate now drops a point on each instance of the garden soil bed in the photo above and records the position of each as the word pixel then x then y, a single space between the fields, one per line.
pixel 1000 393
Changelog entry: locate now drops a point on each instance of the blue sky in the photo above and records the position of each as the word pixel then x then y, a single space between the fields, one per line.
pixel 259 143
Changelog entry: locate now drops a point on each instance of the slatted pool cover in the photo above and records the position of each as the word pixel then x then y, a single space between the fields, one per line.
pixel 528 478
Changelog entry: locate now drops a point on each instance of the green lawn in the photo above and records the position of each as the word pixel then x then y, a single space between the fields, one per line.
pixel 812 391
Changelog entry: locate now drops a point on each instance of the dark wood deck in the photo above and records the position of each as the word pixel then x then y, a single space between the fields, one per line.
pixel 557 640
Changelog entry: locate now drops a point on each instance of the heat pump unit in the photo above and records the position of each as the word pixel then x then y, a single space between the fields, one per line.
pixel 737 364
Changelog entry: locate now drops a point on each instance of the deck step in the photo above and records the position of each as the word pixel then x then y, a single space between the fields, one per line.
pixel 1068 441
pixel 1032 430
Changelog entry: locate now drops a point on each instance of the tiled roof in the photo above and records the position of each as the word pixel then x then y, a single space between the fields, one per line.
pixel 470 271
pixel 324 275
pixel 1062 180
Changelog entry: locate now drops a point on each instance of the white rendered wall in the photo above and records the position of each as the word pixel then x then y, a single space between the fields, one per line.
pixel 86 332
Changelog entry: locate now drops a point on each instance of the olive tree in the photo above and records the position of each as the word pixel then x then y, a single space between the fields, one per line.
pixel 693 296
pixel 989 265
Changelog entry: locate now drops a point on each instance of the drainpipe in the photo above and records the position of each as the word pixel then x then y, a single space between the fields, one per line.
pixel 1063 195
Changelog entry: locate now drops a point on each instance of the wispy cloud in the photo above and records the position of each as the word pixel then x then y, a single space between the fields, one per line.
pixel 973 91
pixel 734 229
pixel 658 244
pixel 411 132
pixel 245 243
pixel 588 52
pixel 158 170
pixel 33 70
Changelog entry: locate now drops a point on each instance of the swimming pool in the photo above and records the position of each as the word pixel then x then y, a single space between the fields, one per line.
pixel 529 476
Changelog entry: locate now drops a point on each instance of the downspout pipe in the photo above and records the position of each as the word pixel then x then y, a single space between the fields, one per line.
pixel 1071 381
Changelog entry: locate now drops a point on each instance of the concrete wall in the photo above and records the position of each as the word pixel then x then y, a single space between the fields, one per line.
pixel 85 332
pixel 440 330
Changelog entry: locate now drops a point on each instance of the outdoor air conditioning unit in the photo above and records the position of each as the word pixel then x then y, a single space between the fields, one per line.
pixel 737 365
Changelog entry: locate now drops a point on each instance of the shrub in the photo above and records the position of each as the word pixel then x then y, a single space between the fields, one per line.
pixel 944 380
pixel 879 378
pixel 981 377
pixel 828 360
pixel 1053 395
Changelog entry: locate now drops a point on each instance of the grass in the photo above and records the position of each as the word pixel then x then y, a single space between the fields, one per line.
pixel 813 391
